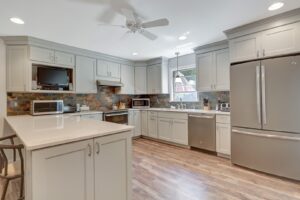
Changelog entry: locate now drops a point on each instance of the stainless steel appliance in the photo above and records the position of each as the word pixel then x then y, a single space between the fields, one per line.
pixel 265 113
pixel 202 131
pixel 141 103
pixel 46 107
pixel 116 116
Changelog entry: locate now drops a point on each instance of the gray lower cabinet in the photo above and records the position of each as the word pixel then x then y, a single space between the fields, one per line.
pixel 94 169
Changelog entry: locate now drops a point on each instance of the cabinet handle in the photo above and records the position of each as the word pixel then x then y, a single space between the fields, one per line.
pixel 90 150
pixel 98 148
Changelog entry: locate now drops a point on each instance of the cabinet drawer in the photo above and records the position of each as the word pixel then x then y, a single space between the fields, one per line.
pixel 172 115
pixel 152 114
pixel 224 119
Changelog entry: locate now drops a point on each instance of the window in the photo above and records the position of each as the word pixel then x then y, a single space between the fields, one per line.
pixel 186 90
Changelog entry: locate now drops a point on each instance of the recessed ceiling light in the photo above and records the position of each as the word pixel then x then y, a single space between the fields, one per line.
pixel 183 37
pixel 17 20
pixel 276 6
pixel 135 53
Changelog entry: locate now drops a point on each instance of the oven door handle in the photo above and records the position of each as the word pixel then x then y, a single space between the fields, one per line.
pixel 112 115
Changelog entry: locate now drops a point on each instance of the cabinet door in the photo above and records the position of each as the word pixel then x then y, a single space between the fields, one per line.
pixel 66 59
pixel 137 123
pixel 85 75
pixel 222 82
pixel 140 77
pixel 102 68
pixel 17 68
pixel 41 54
pixel 113 168
pixel 245 48
pixel 63 172
pixel 152 126
pixel 223 138
pixel 114 70
pixel 281 40
pixel 154 79
pixel 206 69
pixel 180 132
pixel 165 129
pixel 127 78
pixel 131 120
pixel 144 123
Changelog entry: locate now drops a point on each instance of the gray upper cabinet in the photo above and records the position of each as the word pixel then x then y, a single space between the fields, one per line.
pixel 66 59
pixel 140 80
pixel 213 67
pixel 154 79
pixel 85 75
pixel 264 39
pixel 17 68
pixel 51 56
pixel 205 68
pixel 41 54
pixel 222 71
pixel 245 48
pixel 281 40
pixel 108 70
pixel 127 78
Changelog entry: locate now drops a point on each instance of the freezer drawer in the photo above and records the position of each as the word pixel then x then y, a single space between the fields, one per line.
pixel 202 131
pixel 270 152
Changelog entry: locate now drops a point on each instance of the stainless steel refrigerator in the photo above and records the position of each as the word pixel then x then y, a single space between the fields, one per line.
pixel 265 111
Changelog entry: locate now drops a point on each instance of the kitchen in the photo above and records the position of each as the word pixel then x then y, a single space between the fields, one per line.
pixel 208 123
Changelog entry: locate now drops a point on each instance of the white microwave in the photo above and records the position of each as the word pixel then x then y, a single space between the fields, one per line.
pixel 141 103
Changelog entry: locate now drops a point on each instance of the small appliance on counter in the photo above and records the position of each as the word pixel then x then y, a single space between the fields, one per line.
pixel 206 104
pixel 70 108
pixel 46 107
pixel 141 103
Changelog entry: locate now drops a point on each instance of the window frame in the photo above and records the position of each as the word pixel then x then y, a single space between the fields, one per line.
pixel 172 83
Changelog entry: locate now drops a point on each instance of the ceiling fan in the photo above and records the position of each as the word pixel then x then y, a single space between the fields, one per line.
pixel 135 25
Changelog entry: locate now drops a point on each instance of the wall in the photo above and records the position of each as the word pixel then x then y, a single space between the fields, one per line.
pixel 2 86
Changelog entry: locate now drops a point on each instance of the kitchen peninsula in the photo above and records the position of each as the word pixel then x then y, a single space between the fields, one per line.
pixel 67 157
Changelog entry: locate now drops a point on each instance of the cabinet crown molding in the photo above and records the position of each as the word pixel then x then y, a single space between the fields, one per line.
pixel 282 19
pixel 32 41
pixel 211 47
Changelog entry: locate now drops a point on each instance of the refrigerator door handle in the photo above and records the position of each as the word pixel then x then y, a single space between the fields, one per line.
pixel 258 94
pixel 263 80
pixel 266 135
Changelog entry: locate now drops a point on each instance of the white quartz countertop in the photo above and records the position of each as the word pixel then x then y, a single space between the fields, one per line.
pixel 184 110
pixel 90 112
pixel 44 131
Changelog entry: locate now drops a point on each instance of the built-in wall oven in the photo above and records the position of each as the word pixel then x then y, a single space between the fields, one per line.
pixel 116 116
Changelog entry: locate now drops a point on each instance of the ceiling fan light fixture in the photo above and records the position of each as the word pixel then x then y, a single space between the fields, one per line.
pixel 276 6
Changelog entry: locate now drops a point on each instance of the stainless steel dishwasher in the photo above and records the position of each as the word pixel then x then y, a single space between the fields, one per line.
pixel 202 131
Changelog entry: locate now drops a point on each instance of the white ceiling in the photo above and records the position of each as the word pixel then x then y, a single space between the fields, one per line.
pixel 75 23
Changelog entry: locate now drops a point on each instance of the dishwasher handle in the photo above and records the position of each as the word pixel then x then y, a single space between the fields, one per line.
pixel 202 116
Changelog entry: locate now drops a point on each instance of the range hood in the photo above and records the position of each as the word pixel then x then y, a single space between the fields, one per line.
pixel 109 83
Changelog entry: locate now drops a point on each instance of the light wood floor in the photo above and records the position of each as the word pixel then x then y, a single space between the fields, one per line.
pixel 164 172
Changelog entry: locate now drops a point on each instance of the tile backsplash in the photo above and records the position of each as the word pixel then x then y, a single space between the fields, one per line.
pixel 19 103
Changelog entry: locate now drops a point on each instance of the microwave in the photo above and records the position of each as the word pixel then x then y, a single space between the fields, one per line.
pixel 46 107
pixel 141 103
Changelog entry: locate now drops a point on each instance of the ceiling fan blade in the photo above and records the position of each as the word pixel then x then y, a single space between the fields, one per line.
pixel 148 34
pixel 129 14
pixel 112 25
pixel 155 23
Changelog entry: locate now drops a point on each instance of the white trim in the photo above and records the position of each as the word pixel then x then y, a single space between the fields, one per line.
pixel 2 86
